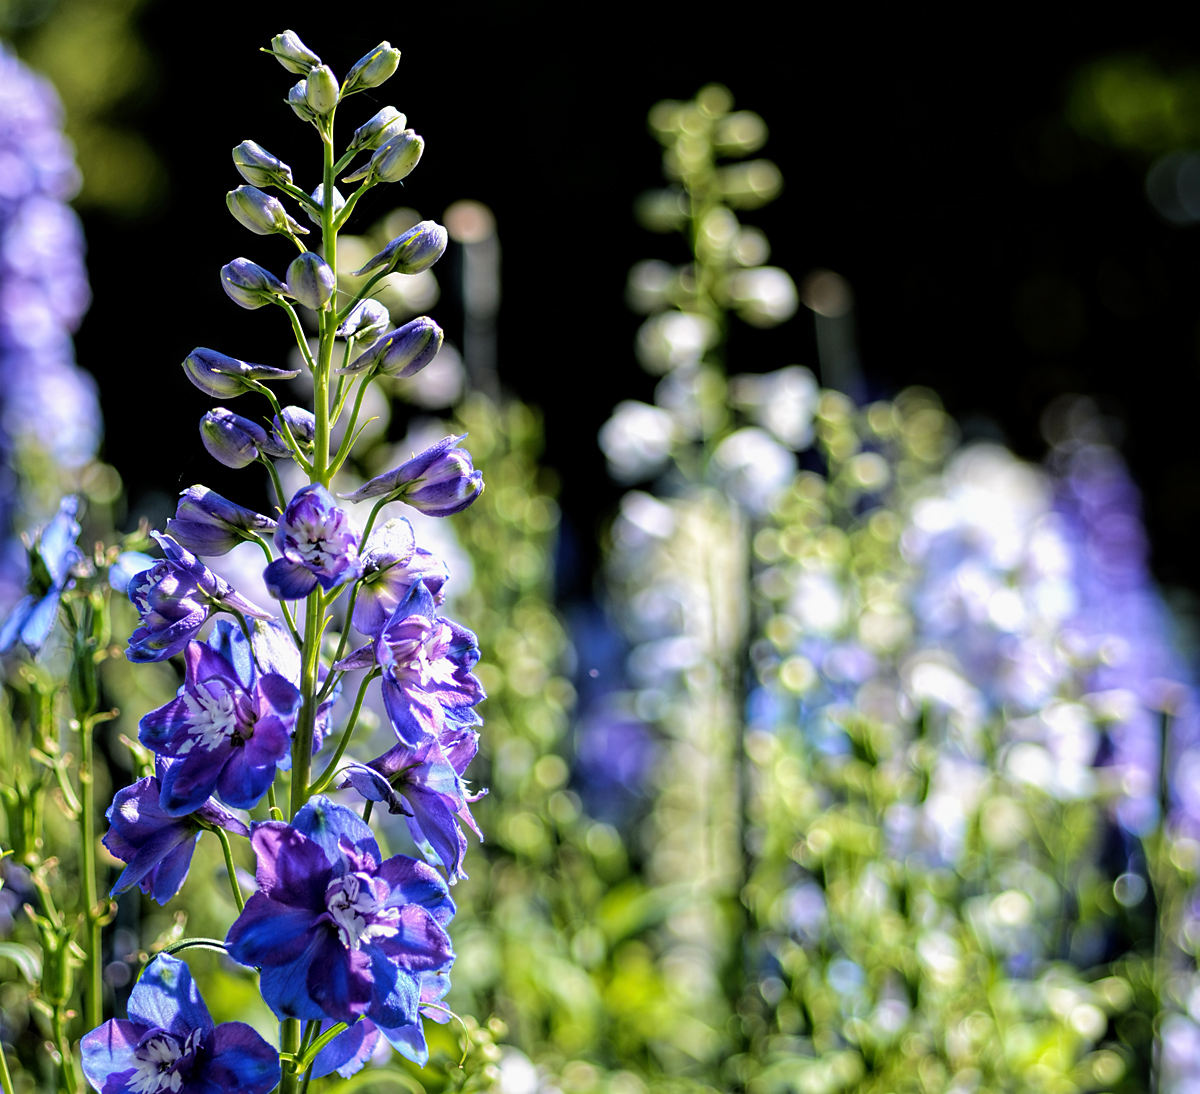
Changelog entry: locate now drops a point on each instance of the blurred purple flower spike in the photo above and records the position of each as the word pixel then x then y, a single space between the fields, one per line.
pixel 51 558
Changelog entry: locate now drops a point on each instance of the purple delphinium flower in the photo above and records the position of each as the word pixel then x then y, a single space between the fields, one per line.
pixel 50 562
pixel 229 727
pixel 225 377
pixel 319 545
pixel 175 597
pixel 426 662
pixel 209 524
pixel 155 846
pixel 428 780
pixel 391 565
pixel 169 1043
pixel 337 931
pixel 439 482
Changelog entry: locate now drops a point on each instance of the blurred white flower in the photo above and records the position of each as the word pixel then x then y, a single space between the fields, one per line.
pixel 636 440
pixel 674 339
pixel 753 467
pixel 783 402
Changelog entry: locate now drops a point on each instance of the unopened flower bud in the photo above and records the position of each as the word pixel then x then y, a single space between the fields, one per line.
pixel 224 377
pixel 403 352
pixel 261 213
pixel 368 319
pixel 393 160
pixel 303 426
pixel 373 132
pixel 258 167
pixel 321 90
pixel 418 249
pixel 318 195
pixel 292 53
pixel 297 99
pixel 310 280
pixel 209 524
pixel 248 284
pixel 373 69
pixel 230 438
pixel 439 481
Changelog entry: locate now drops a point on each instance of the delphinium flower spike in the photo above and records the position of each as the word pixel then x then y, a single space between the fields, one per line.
pixel 342 936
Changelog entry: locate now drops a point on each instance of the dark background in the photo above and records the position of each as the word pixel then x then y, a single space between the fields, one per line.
pixel 995 255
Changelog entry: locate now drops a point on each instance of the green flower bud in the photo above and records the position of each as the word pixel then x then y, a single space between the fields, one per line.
pixel 382 127
pixel 258 167
pixel 292 53
pixel 392 161
pixel 297 99
pixel 373 69
pixel 321 90
pixel 261 213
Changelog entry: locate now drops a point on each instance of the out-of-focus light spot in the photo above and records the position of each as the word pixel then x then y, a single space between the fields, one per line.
pixel 1089 1021
pixel 1173 187
pixel 1012 909
pixel 751 247
pixel 674 339
pixel 636 440
pixel 740 133
pixel 797 674
pixel 1131 103
pixel 763 297
pixel 661 210
pixel 469 222
pixel 827 293
pixel 648 284
pixel 783 402
pixel 749 185
pixel 1129 890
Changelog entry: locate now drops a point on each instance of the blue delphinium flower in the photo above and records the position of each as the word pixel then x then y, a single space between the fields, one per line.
pixel 169 1043
pixel 425 783
pixel 274 651
pixel 229 727
pixel 319 545
pixel 156 846
pixel 337 931
pixel 391 565
pixel 426 662
pixel 175 598
pixel 50 561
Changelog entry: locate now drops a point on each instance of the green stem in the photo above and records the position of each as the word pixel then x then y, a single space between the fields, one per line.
pixel 230 869
pixel 93 1003
pixel 351 202
pixel 298 331
pixel 288 435
pixel 305 1061
pixel 348 438
pixel 196 944
pixel 280 497
pixel 6 1083
pixel 361 295
pixel 62 1044
pixel 273 805
pixel 299 195
pixel 289 1042
pixel 327 776
pixel 302 741
pixel 367 811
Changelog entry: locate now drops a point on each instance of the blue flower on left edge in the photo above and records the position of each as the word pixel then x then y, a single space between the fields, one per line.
pixel 175 598
pixel 169 1043
pixel 229 727
pixel 50 562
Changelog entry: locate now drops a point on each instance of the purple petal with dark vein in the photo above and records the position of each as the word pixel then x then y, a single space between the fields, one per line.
pixel 202 662
pixel 228 640
pixel 280 695
pixel 285 986
pixel 326 824
pixel 166 997
pixel 242 783
pixel 432 819
pixel 413 882
pixel 415 717
pixel 396 992
pixel 289 580
pixel 348 1052
pixel 166 879
pixel 107 1053
pixel 361 658
pixel 291 867
pixel 239 1060
pixel 191 780
pixel 409 1041
pixel 421 942
pixel 268 933
pixel 339 980
pixel 166 729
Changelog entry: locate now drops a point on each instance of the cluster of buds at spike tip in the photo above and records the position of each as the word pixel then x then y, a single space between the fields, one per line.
pixel 372 69
pixel 231 439
pixel 247 284
pixel 258 167
pixel 225 377
pixel 402 353
pixel 393 160
pixel 418 249
pixel 261 213
pixel 310 281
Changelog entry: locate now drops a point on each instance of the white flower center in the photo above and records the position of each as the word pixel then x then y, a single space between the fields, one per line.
pixel 212 714
pixel 156 1068
pixel 313 544
pixel 358 911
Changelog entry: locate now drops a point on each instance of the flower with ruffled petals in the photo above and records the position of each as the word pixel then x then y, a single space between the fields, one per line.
pixel 175 598
pixel 229 727
pixel 337 931
pixel 425 784
pixel 392 564
pixel 319 545
pixel 155 846
pixel 170 1044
